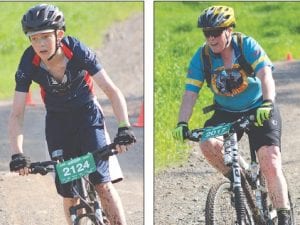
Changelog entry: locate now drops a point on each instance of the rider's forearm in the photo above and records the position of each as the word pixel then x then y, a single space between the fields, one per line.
pixel 119 107
pixel 115 96
pixel 267 83
pixel 15 133
pixel 187 105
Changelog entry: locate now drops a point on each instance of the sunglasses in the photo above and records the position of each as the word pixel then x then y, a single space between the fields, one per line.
pixel 213 33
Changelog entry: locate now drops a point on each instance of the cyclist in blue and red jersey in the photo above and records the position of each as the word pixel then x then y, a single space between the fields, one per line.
pixel 239 74
pixel 65 69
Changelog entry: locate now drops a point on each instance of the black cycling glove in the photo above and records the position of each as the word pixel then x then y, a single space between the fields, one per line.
pixel 125 136
pixel 19 161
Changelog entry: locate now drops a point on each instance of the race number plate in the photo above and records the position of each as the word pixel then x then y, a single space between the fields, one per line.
pixel 212 132
pixel 75 168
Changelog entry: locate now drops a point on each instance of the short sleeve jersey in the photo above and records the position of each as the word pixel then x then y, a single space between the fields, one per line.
pixel 76 88
pixel 248 94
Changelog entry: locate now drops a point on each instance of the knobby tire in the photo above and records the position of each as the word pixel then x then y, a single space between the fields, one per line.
pixel 90 218
pixel 220 206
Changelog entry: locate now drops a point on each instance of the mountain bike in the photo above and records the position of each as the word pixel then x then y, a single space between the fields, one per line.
pixel 244 200
pixel 89 210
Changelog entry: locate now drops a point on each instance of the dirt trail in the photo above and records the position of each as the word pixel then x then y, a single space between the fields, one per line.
pixel 32 200
pixel 180 192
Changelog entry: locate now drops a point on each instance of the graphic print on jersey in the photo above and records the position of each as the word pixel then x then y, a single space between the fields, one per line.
pixel 60 87
pixel 229 82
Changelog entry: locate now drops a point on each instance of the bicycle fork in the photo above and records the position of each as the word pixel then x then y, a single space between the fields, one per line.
pixel 91 207
pixel 231 158
pixel 236 162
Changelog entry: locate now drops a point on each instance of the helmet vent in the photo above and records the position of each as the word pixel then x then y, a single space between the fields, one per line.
pixel 217 17
pixel 43 17
pixel 58 18
pixel 50 14
pixel 41 14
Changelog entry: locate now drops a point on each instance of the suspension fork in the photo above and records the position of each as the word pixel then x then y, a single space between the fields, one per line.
pixel 231 158
pixel 240 182
pixel 80 185
pixel 237 181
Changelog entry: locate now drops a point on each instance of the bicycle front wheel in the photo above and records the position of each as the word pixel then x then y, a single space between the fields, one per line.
pixel 87 220
pixel 90 219
pixel 220 206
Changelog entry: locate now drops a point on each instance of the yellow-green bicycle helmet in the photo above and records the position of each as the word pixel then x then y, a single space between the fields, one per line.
pixel 217 17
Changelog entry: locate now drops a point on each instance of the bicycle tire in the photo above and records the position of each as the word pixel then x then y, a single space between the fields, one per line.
pixel 91 205
pixel 220 206
pixel 87 220
pixel 90 219
pixel 292 205
pixel 93 196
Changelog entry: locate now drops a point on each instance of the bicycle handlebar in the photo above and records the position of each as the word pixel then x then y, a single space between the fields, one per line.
pixel 42 167
pixel 242 123
pixel 46 167
pixel 105 152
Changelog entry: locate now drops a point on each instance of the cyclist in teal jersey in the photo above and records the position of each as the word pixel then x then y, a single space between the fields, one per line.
pixel 237 91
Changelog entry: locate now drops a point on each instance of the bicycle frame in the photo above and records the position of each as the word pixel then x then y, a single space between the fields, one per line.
pixel 81 187
pixel 233 160
pixel 88 201
pixel 241 187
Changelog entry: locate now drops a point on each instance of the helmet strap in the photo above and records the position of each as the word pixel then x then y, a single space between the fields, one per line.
pixel 227 39
pixel 57 46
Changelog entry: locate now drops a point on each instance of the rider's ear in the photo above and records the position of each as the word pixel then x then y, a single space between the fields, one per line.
pixel 60 34
pixel 229 30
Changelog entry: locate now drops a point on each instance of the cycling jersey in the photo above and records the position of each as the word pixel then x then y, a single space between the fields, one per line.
pixel 74 119
pixel 76 87
pixel 233 90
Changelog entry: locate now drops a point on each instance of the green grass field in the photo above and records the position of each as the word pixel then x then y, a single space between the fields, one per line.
pixel 85 20
pixel 273 24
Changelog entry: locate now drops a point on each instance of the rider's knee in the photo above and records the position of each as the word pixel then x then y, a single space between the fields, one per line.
pixel 70 201
pixel 104 186
pixel 210 148
pixel 270 160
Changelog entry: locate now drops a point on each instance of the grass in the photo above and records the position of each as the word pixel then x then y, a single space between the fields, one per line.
pixel 272 24
pixel 87 21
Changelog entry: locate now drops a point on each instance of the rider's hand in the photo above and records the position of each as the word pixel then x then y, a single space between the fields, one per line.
pixel 181 131
pixel 124 138
pixel 19 162
pixel 264 112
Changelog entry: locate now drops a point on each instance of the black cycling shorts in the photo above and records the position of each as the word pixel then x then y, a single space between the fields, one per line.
pixel 267 135
pixel 77 133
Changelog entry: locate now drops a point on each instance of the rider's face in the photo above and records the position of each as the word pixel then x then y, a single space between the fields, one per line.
pixel 218 41
pixel 43 44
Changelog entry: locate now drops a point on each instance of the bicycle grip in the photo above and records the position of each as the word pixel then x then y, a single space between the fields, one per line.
pixel 39 169
pixel 105 152
pixel 195 135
